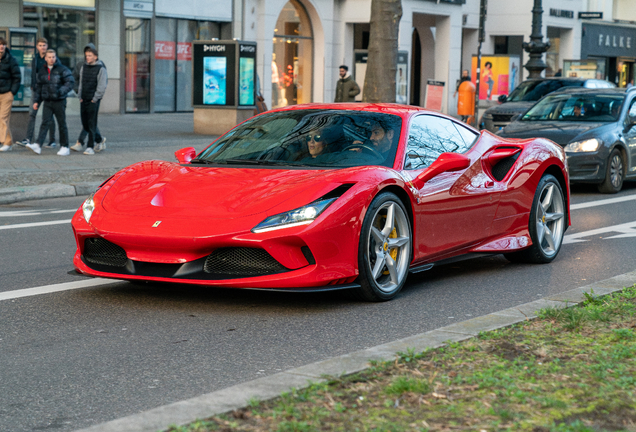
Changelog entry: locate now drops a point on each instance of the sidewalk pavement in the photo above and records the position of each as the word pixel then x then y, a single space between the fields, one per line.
pixel 239 396
pixel 131 138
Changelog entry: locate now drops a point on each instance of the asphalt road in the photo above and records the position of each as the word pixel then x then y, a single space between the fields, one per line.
pixel 79 357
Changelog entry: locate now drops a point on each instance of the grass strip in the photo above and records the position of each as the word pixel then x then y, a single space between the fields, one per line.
pixel 569 370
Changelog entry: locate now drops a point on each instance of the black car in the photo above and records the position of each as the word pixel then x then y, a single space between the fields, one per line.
pixel 596 127
pixel 526 94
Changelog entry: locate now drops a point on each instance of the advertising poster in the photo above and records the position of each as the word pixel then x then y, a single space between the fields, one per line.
pixel 214 80
pixel 246 81
pixel 434 95
pixel 164 50
pixel 499 75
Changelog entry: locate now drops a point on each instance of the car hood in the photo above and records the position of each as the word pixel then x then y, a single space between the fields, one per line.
pixel 560 132
pixel 164 189
pixel 509 108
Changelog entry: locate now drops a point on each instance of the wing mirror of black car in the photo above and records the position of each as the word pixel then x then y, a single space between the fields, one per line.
pixel 446 162
pixel 185 155
pixel 502 98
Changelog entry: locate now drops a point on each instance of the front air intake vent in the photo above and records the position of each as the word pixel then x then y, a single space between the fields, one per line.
pixel 242 262
pixel 100 251
pixel 502 167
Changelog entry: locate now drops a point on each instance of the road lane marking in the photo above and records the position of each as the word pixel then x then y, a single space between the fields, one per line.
pixel 602 202
pixel 48 289
pixel 626 229
pixel 35 224
pixel 21 213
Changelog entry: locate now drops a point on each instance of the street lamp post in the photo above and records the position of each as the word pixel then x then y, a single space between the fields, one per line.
pixel 536 47
pixel 482 32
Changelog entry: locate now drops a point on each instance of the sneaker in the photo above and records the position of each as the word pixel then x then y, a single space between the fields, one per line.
pixel 52 144
pixel 23 143
pixel 101 146
pixel 78 146
pixel 35 147
pixel 64 151
pixel 89 151
pixel 6 148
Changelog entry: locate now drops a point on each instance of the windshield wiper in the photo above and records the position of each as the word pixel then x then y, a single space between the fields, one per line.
pixel 200 161
pixel 257 162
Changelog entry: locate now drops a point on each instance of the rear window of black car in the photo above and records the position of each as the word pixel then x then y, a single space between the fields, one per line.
pixel 531 91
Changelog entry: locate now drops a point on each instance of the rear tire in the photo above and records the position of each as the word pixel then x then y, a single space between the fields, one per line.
pixel 548 221
pixel 385 250
pixel 614 173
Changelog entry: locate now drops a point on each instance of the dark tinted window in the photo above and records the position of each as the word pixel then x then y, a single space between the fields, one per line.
pixel 430 136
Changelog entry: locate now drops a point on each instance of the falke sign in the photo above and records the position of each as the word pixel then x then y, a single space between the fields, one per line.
pixel 608 41
pixel 164 50
pixel 184 51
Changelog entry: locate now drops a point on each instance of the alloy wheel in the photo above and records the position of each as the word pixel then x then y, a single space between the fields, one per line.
pixel 389 245
pixel 550 219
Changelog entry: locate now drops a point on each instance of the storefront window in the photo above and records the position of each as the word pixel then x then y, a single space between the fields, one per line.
pixel 67 30
pixel 173 60
pixel 137 65
pixel 292 60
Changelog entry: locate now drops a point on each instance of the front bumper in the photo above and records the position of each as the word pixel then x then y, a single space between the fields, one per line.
pixel 586 167
pixel 322 254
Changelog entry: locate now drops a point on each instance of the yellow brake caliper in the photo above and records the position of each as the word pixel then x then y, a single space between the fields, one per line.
pixel 393 252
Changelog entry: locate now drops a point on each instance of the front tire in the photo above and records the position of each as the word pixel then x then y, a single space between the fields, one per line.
pixel 385 250
pixel 614 173
pixel 547 224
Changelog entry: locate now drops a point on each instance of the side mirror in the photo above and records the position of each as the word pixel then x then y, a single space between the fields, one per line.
pixel 502 98
pixel 185 155
pixel 446 162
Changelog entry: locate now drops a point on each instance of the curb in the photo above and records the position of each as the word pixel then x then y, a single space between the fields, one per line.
pixel 54 190
pixel 238 396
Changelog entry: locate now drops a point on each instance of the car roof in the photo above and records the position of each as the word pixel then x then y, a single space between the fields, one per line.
pixel 580 90
pixel 563 79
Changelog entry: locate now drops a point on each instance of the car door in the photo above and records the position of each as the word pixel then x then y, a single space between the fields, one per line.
pixel 454 210
pixel 630 136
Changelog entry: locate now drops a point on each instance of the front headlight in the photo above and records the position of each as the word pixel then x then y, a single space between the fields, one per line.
pixel 88 207
pixel 589 145
pixel 300 216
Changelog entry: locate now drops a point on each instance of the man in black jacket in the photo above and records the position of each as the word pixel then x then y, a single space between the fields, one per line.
pixel 54 82
pixel 10 79
pixel 37 63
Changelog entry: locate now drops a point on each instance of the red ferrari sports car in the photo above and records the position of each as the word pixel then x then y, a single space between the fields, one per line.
pixel 327 196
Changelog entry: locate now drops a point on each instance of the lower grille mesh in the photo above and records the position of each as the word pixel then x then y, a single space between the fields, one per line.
pixel 101 251
pixel 241 261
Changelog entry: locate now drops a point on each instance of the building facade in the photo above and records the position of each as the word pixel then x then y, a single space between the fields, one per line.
pixel 147 44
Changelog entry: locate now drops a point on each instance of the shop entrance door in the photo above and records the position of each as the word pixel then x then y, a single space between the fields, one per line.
pixel 137 65
pixel 626 71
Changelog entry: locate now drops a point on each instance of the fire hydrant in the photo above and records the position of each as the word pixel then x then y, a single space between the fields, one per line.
pixel 466 101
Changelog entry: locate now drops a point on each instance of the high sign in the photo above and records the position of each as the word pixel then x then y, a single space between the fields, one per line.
pixel 223 73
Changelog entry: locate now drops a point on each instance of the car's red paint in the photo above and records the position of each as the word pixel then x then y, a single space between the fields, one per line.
pixel 460 209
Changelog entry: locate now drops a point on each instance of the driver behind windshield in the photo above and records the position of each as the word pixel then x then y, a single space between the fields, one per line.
pixel 380 140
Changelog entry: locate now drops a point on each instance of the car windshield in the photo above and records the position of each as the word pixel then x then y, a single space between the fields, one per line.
pixel 532 91
pixel 311 137
pixel 576 107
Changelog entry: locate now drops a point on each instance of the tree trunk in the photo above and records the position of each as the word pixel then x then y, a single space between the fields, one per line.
pixel 379 82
